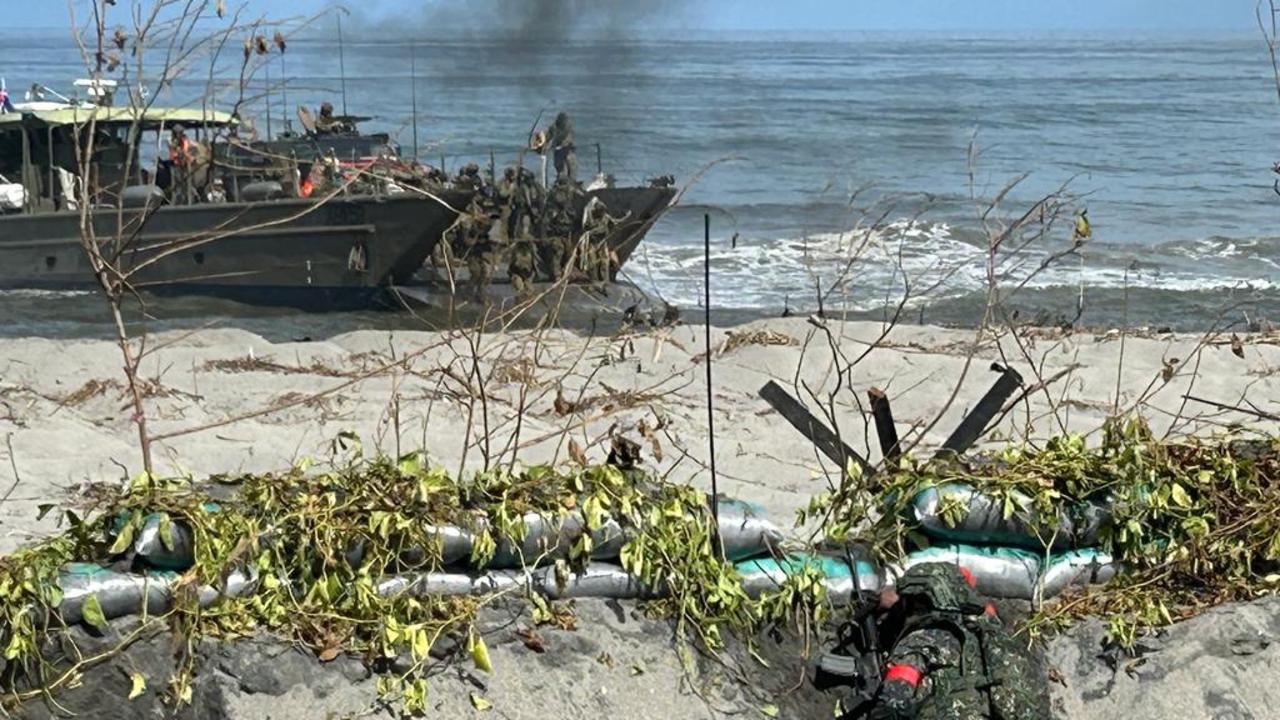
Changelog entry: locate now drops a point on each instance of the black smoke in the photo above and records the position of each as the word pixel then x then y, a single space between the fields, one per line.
pixel 536 21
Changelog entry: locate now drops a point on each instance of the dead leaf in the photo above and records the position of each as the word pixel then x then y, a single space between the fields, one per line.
pixel 531 640
pixel 1170 369
pixel 656 448
pixel 577 454
pixel 329 653
pixel 562 407
pixel 1237 346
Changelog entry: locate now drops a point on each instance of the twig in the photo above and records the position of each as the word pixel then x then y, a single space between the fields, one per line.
pixel 1254 412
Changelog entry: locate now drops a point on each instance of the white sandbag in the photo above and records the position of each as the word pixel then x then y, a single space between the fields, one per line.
pixel 764 575
pixel 121 594
pixel 745 532
pixel 549 539
pixel 148 544
pixel 980 518
pixel 447 583
pixel 600 580
pixel 1077 568
pixel 455 543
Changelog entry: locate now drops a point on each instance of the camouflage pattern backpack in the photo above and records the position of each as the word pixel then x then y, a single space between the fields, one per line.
pixel 973 668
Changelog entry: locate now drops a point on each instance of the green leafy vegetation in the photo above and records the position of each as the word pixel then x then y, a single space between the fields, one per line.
pixel 1192 523
pixel 320 540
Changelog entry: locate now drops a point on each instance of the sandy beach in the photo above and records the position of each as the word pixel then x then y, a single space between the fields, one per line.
pixel 64 422
pixel 558 395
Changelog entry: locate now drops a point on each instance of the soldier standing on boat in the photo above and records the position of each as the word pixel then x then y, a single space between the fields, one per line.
pixel 559 225
pixel 520 198
pixel 327 123
pixel 561 141
pixel 182 159
pixel 469 178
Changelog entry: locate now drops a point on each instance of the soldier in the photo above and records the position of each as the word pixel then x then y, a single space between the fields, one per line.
pixel 952 658
pixel 182 159
pixel 326 123
pixel 478 246
pixel 559 227
pixel 469 178
pixel 599 260
pixel 524 198
pixel 560 137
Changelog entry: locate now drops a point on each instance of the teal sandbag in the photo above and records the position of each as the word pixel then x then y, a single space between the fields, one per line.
pixel 763 575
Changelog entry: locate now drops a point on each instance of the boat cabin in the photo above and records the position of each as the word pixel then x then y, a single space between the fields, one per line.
pixel 39 148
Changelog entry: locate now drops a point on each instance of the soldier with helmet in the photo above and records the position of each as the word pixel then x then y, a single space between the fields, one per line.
pixel 950 657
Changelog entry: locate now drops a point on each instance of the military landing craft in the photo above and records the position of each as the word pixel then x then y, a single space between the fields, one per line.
pixel 324 220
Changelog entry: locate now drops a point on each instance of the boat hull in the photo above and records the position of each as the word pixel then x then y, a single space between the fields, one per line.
pixel 338 254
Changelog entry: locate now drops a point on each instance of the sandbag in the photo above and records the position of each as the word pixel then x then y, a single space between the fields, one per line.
pixel 998 571
pixel 981 519
pixel 549 539
pixel 745 532
pixel 1077 569
pixel 148 545
pixel 452 583
pixel 599 580
pixel 1016 573
pixel 121 594
pixel 455 543
pixel 767 574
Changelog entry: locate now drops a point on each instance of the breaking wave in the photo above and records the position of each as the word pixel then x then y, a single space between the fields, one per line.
pixel 932 262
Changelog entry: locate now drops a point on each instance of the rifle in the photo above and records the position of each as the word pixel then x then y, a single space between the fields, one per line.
pixel 856 663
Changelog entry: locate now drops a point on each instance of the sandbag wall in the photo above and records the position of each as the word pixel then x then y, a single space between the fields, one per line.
pixel 1011 555
pixel 163 548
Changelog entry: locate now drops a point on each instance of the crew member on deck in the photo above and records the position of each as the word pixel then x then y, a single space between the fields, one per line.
pixel 182 158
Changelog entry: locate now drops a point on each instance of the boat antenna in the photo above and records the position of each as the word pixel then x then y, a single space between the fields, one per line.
pixel 284 88
pixel 342 65
pixel 711 433
pixel 413 75
pixel 267 69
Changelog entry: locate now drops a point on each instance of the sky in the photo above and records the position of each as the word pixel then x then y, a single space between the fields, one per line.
pixel 1175 16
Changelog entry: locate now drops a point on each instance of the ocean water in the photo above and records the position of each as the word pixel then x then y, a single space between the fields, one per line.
pixel 1169 142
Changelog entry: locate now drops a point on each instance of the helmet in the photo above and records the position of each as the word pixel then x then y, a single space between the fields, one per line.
pixel 942 587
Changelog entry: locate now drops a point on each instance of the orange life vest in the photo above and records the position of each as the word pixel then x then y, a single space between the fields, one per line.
pixel 181 152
